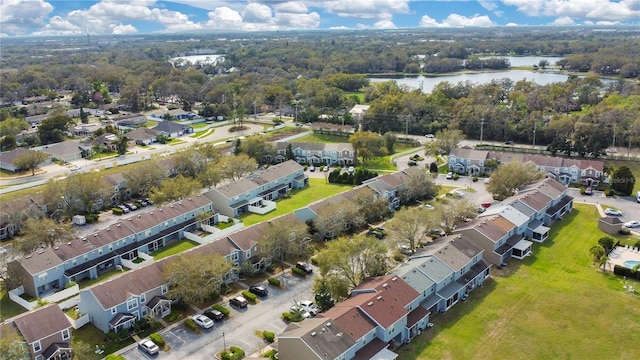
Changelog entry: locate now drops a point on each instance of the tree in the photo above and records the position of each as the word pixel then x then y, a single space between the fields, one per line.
pixel 12 127
pixel 257 148
pixel 283 240
pixel 237 166
pixel 390 140
pixel 12 344
pixel 123 143
pixel 336 219
pixel 454 212
pixel 30 160
pixel 173 189
pixel 195 277
pixel 623 180
pixel 211 176
pixel 52 130
pixel 323 297
pixel 289 152
pixel 410 226
pixel 510 177
pixel 418 185
pixel 43 232
pixel 597 251
pixel 445 141
pixel 372 208
pixel 607 243
pixel 368 145
pixel 349 261
pixel 433 168
pixel 141 178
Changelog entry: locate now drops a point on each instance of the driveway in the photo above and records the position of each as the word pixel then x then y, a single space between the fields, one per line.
pixel 239 330
pixel 629 206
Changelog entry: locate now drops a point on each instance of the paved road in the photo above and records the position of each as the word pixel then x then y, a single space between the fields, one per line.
pixel 238 331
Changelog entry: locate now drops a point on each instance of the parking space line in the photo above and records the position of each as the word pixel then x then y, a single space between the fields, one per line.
pixel 280 329
pixel 251 346
pixel 176 336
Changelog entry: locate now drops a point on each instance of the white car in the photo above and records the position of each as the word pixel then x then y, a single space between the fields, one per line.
pixel 429 207
pixel 351 169
pixel 457 193
pixel 308 306
pixel 430 136
pixel 295 308
pixel 450 175
pixel 148 346
pixel 612 212
pixel 202 321
pixel 632 224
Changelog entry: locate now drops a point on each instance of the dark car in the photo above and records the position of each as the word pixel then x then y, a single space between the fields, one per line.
pixel 259 290
pixel 141 203
pixel 304 266
pixel 131 206
pixel 213 314
pixel 508 142
pixel 148 201
pixel 239 301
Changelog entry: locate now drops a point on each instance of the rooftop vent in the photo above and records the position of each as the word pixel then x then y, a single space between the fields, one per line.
pixel 394 278
pixel 95 235
pixel 313 333
pixel 40 251
pixel 328 324
pixel 69 243
pixel 151 213
pixel 56 248
pixel 118 224
pixel 370 303
pixel 84 239
pixel 379 298
pixel 385 285
pixel 108 229
pixel 139 216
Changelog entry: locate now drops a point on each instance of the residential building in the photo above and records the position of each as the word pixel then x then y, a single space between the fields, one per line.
pixel 334 129
pixel 8 157
pixel 130 120
pixel 14 212
pixel 568 171
pixel 48 269
pixel 389 187
pixel 86 129
pixel 358 112
pixel 65 151
pixel 318 153
pixel 143 136
pixel 119 302
pixel 610 224
pixel 172 129
pixel 496 235
pixel 46 331
pixel 258 190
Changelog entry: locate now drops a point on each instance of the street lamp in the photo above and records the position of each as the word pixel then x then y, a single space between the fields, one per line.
pixel 534 136
pixel 224 343
pixel 481 129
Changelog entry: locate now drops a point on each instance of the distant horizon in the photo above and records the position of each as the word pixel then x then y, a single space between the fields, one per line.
pixel 29 18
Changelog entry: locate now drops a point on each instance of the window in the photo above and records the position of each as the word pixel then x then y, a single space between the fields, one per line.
pixel 39 357
pixel 43 276
pixel 163 289
pixel 143 298
pixel 65 334
pixel 37 347
pixel 114 310
pixel 132 304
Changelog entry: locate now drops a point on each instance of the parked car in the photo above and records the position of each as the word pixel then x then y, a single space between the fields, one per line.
pixel 351 169
pixel 375 233
pixel 430 136
pixel 508 142
pixel 312 168
pixel 148 346
pixel 259 290
pixel 588 191
pixel 123 208
pixel 304 266
pixel 239 301
pixel 429 207
pixel 459 193
pixel 449 175
pixel 213 314
pixel 612 212
pixel 308 306
pixel 632 224
pixel 202 321
pixel 148 201
pixel 295 308
pixel 325 169
pixel 131 206
pixel 74 168
pixel 141 203
pixel 486 205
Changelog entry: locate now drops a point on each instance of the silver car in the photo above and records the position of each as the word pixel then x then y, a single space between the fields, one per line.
pixel 148 346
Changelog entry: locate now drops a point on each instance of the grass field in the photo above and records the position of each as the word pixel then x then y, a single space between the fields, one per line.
pixel 318 189
pixel 323 138
pixel 552 305
pixel 8 308
pixel 173 249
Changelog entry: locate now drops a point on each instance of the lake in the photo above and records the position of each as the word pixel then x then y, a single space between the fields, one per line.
pixel 428 83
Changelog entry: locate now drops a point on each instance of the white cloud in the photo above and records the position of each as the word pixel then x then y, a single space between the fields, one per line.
pixel 511 24
pixel 59 26
pixel 124 29
pixel 563 21
pixel 595 10
pixel 488 4
pixel 256 13
pixel 296 7
pixel 19 17
pixel 297 21
pixel 384 24
pixel 457 20
pixel 224 18
pixel 365 9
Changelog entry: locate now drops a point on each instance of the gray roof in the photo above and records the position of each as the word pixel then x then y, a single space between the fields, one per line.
pixel 433 267
pixel 40 260
pixel 41 323
pixel 169 127
pixel 258 179
pixel 478 155
pixel 63 148
pixel 321 336
pixel 456 257
pixel 8 157
pixel 142 133
pixel 418 280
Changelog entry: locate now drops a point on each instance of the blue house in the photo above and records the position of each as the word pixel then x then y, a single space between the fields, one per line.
pixel 48 269
pixel 119 302
pixel 318 153
pixel 257 191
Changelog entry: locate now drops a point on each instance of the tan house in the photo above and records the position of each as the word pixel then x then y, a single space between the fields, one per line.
pixel 610 224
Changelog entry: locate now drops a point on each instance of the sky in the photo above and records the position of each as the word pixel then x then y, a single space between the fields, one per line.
pixel 70 17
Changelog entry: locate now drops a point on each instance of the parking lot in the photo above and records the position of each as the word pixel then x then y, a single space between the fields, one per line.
pixel 239 329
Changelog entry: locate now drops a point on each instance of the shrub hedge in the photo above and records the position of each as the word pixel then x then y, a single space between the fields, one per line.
pixel 191 325
pixel 623 271
pixel 298 272
pixel 221 308
pixel 158 339
pixel 251 297
pixel 273 281
pixel 268 336
pixel 117 211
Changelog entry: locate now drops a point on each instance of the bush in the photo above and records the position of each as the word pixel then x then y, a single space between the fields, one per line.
pixel 583 190
pixel 624 231
pixel 298 272
pixel 158 339
pixel 292 316
pixel 623 271
pixel 475 179
pixel 91 218
pixel 70 284
pixel 268 336
pixel 251 297
pixel 456 176
pixel 314 261
pixel 610 192
pixel 191 325
pixel 221 308
pixel 273 281
pixel 637 244
pixel 117 211
pixel 271 354
pixel 173 316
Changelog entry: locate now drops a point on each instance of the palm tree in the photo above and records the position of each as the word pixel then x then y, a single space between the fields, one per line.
pixel 602 262
pixel 597 252
pixel 609 169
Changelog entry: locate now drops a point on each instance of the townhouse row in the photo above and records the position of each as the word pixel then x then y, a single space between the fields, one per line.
pixel 567 171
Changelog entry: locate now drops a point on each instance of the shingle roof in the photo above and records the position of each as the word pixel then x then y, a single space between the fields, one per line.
pixel 353 321
pixel 7 157
pixel 258 179
pixel 472 154
pixel 142 133
pixel 321 335
pixel 40 260
pixel 63 148
pixel 42 322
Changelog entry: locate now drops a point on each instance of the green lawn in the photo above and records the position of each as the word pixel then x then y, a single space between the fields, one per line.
pixel 199 125
pixel 552 305
pixel 173 249
pixel 85 339
pixel 7 307
pixel 318 189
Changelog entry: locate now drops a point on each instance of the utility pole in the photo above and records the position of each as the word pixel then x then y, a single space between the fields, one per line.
pixel 534 136
pixel 481 129
pixel 406 127
pixel 613 144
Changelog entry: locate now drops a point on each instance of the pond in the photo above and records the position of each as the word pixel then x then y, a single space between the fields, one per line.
pixel 428 83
